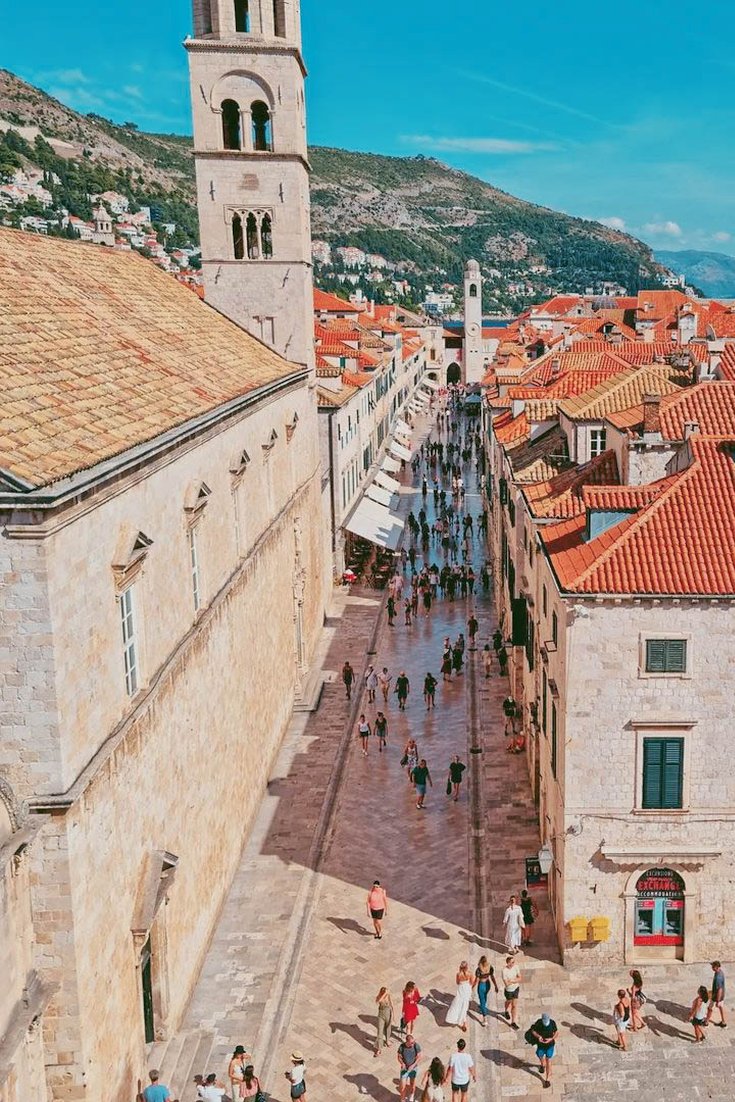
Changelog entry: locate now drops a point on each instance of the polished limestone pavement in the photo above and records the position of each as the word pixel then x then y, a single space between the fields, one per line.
pixel 293 963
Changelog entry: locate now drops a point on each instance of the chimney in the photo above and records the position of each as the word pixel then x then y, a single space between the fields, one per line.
pixel 555 365
pixel 651 414
pixel 690 427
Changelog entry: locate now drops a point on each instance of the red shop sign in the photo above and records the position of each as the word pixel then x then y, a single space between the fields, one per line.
pixel 660 883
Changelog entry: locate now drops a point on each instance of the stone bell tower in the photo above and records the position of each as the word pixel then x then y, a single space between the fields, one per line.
pixel 473 356
pixel 247 93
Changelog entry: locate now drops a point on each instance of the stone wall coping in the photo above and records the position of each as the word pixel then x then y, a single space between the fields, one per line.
pixel 662 855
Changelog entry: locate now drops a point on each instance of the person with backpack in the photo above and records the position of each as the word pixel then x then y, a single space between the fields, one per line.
pixel 409 1052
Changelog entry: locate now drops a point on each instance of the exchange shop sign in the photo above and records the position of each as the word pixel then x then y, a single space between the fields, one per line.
pixel 660 884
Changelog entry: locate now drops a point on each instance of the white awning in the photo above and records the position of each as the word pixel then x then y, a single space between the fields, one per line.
pixel 402 427
pixel 400 451
pixel 421 398
pixel 374 523
pixel 390 464
pixel 379 494
pixel 387 482
pixel 432 384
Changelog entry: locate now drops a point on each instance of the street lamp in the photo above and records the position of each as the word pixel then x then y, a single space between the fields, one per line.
pixel 545 859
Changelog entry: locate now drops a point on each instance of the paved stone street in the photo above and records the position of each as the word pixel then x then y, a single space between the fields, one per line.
pixel 294 963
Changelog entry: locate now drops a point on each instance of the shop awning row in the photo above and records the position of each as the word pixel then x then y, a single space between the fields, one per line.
pixel 387 482
pixel 399 451
pixel 403 427
pixel 373 522
pixel 430 384
pixel 390 464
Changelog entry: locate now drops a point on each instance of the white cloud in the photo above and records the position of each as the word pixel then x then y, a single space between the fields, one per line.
pixel 721 235
pixel 63 76
pixel 613 223
pixel 476 145
pixel 668 229
pixel 132 90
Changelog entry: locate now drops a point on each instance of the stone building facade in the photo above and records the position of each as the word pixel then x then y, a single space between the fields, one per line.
pixel 163 589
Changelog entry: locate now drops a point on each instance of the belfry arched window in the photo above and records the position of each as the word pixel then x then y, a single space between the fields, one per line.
pixel 242 16
pixel 231 136
pixel 253 243
pixel 266 237
pixel 238 240
pixel 261 116
pixel 473 290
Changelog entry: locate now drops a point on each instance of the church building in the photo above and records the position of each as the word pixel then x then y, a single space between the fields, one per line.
pixel 163 576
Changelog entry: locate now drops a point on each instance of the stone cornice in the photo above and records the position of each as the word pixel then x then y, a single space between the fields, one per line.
pixel 30 510
pixel 245 45
pixel 251 156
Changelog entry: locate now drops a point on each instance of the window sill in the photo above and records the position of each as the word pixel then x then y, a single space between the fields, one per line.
pixel 658 812
pixel 646 675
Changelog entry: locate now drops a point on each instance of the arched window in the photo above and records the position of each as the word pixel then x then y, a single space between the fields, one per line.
pixel 237 238
pixel 473 290
pixel 279 18
pixel 266 237
pixel 242 16
pixel 203 17
pixel 262 138
pixel 252 238
pixel 231 124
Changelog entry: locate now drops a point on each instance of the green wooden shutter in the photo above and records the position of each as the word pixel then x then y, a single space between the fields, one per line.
pixel 553 739
pixel 652 768
pixel 672 772
pixel 676 655
pixel 520 622
pixel 655 656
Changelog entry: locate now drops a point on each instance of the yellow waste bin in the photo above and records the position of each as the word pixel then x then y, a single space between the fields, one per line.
pixel 599 928
pixel 577 929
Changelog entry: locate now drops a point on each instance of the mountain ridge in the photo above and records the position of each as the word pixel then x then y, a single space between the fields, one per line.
pixel 423 216
pixel 712 272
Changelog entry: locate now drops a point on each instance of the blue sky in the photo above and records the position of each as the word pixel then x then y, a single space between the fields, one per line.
pixel 623 113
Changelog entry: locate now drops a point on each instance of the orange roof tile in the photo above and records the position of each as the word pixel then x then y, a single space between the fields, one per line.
pixel 558 305
pixel 621 391
pixel 512 430
pixel 562 495
pixel 655 305
pixel 709 405
pixel 326 303
pixel 680 543
pixel 727 362
pixel 111 352
pixel 356 378
pixel 722 324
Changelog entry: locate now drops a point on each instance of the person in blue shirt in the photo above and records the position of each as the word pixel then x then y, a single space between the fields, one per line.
pixel 156 1092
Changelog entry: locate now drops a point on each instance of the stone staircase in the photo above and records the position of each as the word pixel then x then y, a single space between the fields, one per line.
pixel 180 1059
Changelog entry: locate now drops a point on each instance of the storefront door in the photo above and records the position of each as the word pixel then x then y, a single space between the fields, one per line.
pixel 659 909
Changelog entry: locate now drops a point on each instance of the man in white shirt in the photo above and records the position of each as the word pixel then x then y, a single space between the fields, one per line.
pixel 511 975
pixel 460 1069
pixel 211 1090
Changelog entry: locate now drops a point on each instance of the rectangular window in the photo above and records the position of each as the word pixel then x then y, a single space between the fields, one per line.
pixel 544 702
pixel 544 600
pixel 194 564
pixel 554 629
pixel 130 645
pixel 598 440
pixel 666 655
pixel 663 772
pixel 553 739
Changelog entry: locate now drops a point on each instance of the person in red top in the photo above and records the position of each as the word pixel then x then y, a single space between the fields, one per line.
pixel 377 907
pixel 410 1008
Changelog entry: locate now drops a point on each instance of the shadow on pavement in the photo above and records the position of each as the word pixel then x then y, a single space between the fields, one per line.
pixel 349 926
pixel 591 1013
pixel 503 1059
pixel 591 1035
pixel 365 1040
pixel 371 1086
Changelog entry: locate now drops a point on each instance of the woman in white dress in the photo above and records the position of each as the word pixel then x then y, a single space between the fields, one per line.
pixel 514 925
pixel 457 1013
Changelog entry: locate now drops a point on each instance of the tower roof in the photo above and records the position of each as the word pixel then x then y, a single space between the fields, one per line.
pixel 472 267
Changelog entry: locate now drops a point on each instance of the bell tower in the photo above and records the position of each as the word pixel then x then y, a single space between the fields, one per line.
pixel 252 173
pixel 473 354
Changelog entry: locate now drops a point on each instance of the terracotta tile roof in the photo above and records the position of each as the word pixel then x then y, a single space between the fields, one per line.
pixel 100 351
pixel 510 430
pixel 623 497
pixel 366 360
pixel 620 392
pixel 334 399
pixel 329 344
pixel 541 409
pixel 326 303
pixel 681 543
pixel 709 405
pixel 541 458
pixel 722 324
pixel 727 362
pixel 558 305
pixel 554 364
pixel 655 305
pixel 562 495
pixel 356 378
pixel 598 323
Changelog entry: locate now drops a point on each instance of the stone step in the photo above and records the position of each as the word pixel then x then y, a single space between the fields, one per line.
pixel 170 1058
pixel 192 1061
